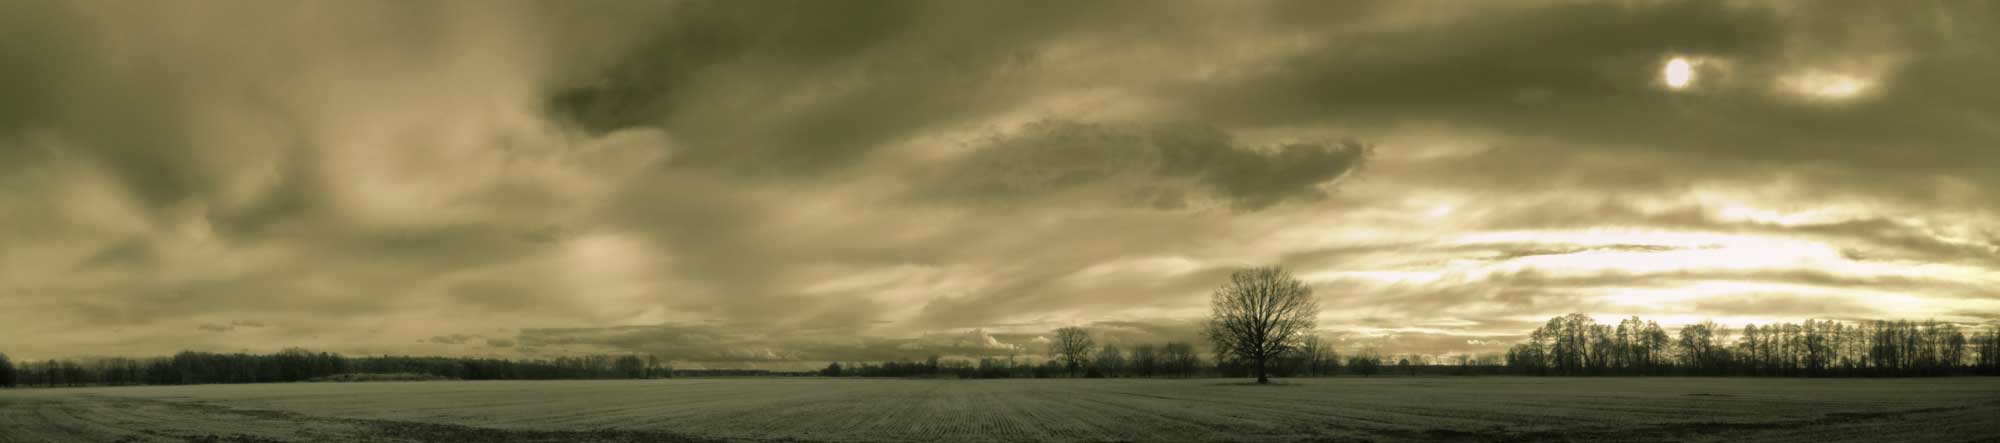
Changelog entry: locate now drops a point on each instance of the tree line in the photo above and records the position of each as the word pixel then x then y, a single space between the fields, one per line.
pixel 1082 359
pixel 1260 325
pixel 1169 360
pixel 1576 344
pixel 295 364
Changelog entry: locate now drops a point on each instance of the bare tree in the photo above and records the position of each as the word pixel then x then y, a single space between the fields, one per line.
pixel 1111 361
pixel 1260 314
pixel 1988 347
pixel 1317 356
pixel 1366 362
pixel 1073 346
pixel 7 376
pixel 1180 359
pixel 1145 363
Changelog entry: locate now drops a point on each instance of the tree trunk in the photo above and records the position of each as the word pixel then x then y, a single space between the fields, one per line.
pixel 1261 378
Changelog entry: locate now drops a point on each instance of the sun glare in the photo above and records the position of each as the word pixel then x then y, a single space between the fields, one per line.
pixel 1679 73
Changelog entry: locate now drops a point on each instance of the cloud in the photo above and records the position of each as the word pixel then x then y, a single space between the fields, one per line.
pixel 1791 306
pixel 499 343
pixel 975 342
pixel 228 327
pixel 1157 166
pixel 756 183
pixel 806 89
pixel 1537 83
pixel 453 339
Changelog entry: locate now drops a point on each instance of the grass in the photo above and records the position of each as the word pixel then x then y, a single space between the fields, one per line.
pixel 353 378
pixel 843 410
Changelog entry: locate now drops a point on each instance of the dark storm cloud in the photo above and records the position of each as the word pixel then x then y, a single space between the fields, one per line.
pixel 453 339
pixel 1156 166
pixel 796 87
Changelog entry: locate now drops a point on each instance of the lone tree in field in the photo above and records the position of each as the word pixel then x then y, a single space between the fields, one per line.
pixel 1072 345
pixel 1261 314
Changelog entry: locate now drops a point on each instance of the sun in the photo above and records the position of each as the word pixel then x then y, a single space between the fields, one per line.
pixel 1679 73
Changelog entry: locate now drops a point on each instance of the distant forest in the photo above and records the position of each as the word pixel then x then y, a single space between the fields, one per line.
pixel 1569 345
pixel 291 365
pixel 1575 344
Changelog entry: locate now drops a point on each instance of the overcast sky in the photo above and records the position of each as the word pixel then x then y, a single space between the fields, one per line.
pixel 762 183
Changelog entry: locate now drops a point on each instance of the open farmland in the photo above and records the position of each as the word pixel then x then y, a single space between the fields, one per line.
pixel 1340 409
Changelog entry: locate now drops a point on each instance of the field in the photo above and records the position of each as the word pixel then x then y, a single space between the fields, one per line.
pixel 766 409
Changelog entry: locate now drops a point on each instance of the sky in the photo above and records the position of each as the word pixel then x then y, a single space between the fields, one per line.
pixel 772 184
